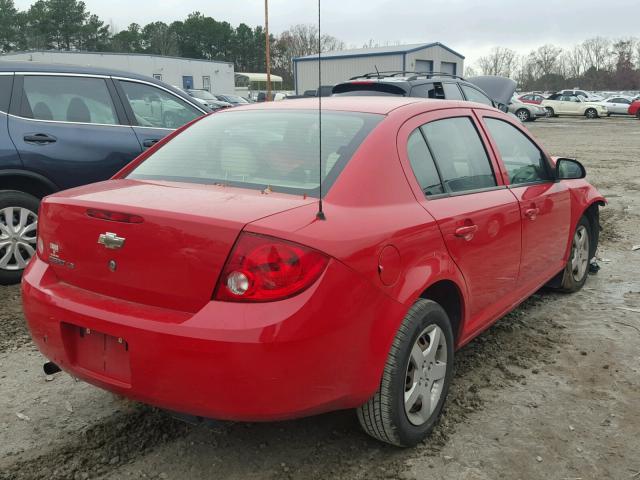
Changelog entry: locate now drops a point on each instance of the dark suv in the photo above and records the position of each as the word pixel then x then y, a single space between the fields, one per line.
pixel 63 126
pixel 493 91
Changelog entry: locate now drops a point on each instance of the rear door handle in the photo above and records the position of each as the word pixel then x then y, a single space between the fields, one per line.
pixel 467 232
pixel 39 138
pixel 150 142
pixel 531 213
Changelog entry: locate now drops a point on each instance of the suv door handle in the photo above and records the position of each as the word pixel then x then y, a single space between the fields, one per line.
pixel 40 138
pixel 531 213
pixel 467 232
pixel 150 142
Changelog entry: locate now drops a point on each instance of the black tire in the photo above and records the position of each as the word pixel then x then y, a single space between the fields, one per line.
pixel 12 198
pixel 591 113
pixel 523 115
pixel 384 416
pixel 550 112
pixel 570 282
pixel 638 114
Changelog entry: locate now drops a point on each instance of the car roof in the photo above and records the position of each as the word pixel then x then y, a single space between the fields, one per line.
pixel 381 105
pixel 14 66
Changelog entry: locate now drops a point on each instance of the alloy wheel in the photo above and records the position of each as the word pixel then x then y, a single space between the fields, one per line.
pixel 580 253
pixel 17 237
pixel 425 377
pixel 523 115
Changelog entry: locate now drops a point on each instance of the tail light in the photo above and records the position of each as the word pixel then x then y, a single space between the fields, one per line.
pixel 264 269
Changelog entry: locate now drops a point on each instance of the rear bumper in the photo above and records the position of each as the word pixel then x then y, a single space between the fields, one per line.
pixel 321 350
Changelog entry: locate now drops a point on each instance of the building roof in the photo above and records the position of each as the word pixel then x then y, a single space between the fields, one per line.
pixel 86 52
pixel 258 77
pixel 368 52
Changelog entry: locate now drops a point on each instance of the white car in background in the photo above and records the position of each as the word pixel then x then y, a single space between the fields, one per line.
pixel 617 104
pixel 571 104
pixel 592 97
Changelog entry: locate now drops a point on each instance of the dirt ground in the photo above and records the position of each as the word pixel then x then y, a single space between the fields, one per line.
pixel 552 391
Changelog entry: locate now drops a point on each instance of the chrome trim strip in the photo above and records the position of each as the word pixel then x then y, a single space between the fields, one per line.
pixel 65 122
pixel 61 74
pixel 7 73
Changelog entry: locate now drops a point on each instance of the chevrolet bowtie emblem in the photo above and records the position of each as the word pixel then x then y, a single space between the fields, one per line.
pixel 111 240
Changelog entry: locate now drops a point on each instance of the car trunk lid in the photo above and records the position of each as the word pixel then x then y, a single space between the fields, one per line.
pixel 171 259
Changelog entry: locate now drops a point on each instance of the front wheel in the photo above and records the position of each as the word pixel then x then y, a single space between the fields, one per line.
pixel 591 113
pixel 523 115
pixel 18 225
pixel 415 381
pixel 577 269
pixel 550 112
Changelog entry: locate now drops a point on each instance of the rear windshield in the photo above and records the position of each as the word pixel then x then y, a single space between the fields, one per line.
pixel 259 149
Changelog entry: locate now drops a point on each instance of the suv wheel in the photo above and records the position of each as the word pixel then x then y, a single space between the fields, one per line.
pixel 18 224
pixel 591 113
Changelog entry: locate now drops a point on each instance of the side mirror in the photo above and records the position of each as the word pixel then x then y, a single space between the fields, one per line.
pixel 503 108
pixel 569 169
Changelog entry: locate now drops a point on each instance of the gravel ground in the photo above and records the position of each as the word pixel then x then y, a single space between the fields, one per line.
pixel 550 392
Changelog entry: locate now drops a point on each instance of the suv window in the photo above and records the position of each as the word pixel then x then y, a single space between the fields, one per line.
pixel 451 91
pixel 6 81
pixel 474 95
pixel 459 154
pixel 67 99
pixel 428 90
pixel 422 164
pixel 156 108
pixel 523 160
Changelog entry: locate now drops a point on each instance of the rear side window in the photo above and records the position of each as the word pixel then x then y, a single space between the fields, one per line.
pixel 153 107
pixel 428 90
pixel 6 82
pixel 459 154
pixel 422 164
pixel 524 162
pixel 67 99
pixel 259 149
pixel 474 95
pixel 451 91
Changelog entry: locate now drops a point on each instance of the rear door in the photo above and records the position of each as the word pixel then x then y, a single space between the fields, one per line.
pixel 545 205
pixel 478 217
pixel 153 111
pixel 70 128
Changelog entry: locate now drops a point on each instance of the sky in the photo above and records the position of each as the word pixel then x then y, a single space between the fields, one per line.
pixel 469 27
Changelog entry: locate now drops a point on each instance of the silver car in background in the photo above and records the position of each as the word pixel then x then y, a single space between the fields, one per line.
pixel 526 112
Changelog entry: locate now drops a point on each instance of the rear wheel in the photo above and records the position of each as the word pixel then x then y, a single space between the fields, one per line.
pixel 591 113
pixel 523 115
pixel 415 381
pixel 18 224
pixel 550 112
pixel 577 268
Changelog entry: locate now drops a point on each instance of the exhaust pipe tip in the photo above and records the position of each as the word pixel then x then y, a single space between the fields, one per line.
pixel 50 368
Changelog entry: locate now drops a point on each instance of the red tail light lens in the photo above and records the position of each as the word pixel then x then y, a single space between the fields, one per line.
pixel 264 269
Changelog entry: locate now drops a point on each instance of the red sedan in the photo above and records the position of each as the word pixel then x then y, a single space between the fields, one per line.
pixel 533 98
pixel 634 108
pixel 202 278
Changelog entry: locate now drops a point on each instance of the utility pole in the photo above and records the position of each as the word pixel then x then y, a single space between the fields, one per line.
pixel 266 34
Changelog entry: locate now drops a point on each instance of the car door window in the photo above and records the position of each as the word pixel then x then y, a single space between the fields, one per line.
pixel 474 95
pixel 428 90
pixel 6 81
pixel 423 165
pixel 67 99
pixel 153 107
pixel 524 161
pixel 459 154
pixel 451 91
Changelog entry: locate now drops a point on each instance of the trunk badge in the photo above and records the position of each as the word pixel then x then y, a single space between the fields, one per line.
pixel 111 240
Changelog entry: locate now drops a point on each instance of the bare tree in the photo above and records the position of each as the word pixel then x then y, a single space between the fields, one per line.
pixel 500 61
pixel 545 59
pixel 597 53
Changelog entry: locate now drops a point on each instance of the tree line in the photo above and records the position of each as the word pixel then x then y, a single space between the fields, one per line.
pixel 596 64
pixel 68 25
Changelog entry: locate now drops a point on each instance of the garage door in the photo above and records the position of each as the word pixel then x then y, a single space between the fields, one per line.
pixel 448 67
pixel 424 66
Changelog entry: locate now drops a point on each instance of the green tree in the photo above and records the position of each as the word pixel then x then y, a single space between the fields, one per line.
pixel 127 41
pixel 9 31
pixel 158 38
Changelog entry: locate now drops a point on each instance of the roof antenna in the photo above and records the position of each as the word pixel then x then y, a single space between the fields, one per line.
pixel 320 215
pixel 376 67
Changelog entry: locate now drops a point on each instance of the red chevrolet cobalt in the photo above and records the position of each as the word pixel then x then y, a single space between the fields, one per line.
pixel 202 278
